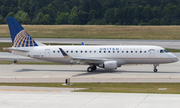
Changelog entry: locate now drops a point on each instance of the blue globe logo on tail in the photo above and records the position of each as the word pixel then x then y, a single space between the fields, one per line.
pixel 19 36
pixel 23 39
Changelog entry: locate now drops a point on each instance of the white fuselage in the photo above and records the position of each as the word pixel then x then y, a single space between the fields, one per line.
pixel 122 54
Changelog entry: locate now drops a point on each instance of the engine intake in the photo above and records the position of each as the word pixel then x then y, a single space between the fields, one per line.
pixel 109 65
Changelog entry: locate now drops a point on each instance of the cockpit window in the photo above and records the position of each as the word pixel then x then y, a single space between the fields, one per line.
pixel 163 51
pixel 166 51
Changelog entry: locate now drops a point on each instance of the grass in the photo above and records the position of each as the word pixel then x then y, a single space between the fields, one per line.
pixel 172 88
pixel 173 50
pixel 4 45
pixel 98 32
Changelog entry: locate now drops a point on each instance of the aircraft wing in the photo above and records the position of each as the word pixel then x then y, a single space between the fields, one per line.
pixel 87 60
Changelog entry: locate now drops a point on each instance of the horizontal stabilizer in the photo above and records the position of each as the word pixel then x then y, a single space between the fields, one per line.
pixel 10 49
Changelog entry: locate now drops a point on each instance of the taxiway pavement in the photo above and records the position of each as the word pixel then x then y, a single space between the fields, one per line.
pixel 26 99
pixel 78 73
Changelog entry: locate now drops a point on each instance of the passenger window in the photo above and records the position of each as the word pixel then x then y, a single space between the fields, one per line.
pixel 109 51
pixel 94 51
pixel 144 51
pixel 99 51
pixel 81 51
pixel 140 51
pixel 104 51
pixel 113 51
pixel 122 51
pixel 136 51
pixel 67 51
pixel 89 51
pixel 126 51
pixel 58 51
pixel 117 51
pixel 85 51
pixel 53 51
pixel 71 51
pixel 76 51
pixel 131 51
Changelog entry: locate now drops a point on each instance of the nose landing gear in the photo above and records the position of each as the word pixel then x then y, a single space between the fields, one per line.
pixel 155 70
pixel 155 65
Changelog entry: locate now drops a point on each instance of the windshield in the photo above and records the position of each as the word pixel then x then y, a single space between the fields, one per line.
pixel 163 51
pixel 166 51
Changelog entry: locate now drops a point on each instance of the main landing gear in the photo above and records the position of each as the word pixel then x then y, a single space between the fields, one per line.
pixel 155 65
pixel 91 68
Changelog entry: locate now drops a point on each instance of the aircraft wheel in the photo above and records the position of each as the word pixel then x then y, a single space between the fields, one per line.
pixel 15 61
pixel 89 69
pixel 155 70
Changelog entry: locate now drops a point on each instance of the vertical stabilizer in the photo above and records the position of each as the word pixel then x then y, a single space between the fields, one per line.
pixel 19 36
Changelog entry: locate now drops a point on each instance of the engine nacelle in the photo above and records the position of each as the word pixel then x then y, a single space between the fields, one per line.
pixel 109 65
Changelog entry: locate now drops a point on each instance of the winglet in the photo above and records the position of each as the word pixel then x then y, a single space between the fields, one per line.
pixel 82 43
pixel 64 53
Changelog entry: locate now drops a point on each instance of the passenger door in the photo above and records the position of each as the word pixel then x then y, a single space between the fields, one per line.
pixel 151 53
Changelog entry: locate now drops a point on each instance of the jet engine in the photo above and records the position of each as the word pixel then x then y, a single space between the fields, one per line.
pixel 109 65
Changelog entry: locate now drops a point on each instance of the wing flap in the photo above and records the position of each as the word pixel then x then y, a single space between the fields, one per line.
pixel 87 60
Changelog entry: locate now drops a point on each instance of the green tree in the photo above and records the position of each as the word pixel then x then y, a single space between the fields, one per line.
pixel 62 18
pixel 82 15
pixel 46 19
pixel 2 21
pixel 164 21
pixel 10 14
pixel 142 23
pixel 109 16
pixel 175 22
pixel 154 21
pixel 22 17
pixel 73 18
pixel 135 22
pixel 169 11
pixel 92 22
pixel 3 11
pixel 38 18
pixel 147 13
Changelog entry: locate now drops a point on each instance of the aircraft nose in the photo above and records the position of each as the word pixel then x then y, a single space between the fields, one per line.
pixel 175 59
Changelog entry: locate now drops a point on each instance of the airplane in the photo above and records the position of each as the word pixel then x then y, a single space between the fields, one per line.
pixel 109 57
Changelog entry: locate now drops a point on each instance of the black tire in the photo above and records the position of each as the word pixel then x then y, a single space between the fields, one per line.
pixel 89 69
pixel 15 61
pixel 155 70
